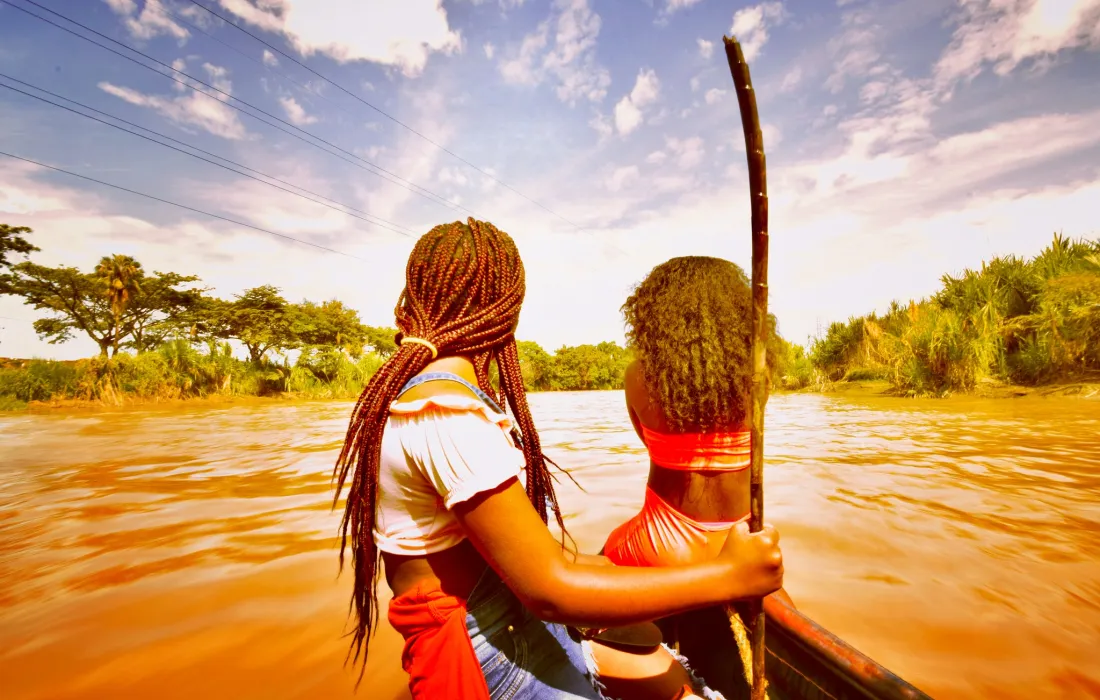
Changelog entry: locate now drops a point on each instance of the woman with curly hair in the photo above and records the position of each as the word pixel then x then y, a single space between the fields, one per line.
pixel 688 394
pixel 452 495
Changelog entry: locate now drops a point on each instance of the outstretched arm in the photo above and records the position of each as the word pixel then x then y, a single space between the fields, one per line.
pixel 557 587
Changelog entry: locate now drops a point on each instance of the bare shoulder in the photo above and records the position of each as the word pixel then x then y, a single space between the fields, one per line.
pixel 637 398
pixel 427 390
pixel 638 401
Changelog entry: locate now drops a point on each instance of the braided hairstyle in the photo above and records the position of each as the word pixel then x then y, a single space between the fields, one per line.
pixel 464 285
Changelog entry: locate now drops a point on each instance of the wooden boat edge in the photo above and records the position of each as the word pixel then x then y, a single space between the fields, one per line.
pixel 857 669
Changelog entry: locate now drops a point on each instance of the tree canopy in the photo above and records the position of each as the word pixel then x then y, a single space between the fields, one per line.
pixel 12 241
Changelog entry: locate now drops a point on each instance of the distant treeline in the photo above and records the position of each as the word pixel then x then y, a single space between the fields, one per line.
pixel 162 335
pixel 1015 320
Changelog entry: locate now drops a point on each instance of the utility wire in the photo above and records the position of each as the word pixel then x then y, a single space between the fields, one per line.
pixel 255 60
pixel 181 206
pixel 393 178
pixel 369 218
pixel 384 114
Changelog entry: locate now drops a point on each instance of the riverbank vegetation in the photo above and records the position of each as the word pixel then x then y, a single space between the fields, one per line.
pixel 1016 321
pixel 162 336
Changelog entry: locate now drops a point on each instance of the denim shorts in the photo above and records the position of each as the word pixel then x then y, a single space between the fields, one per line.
pixel 522 657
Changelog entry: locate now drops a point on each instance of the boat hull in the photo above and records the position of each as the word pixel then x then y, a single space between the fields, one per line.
pixel 807 662
pixel 804 660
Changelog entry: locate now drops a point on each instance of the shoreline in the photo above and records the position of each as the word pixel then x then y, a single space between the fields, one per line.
pixel 1086 391
pixel 987 389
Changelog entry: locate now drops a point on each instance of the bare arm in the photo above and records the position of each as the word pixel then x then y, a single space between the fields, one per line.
pixel 505 529
pixel 586 559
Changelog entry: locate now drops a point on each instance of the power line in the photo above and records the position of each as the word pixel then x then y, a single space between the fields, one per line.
pixel 255 60
pixel 394 178
pixel 384 114
pixel 369 218
pixel 181 206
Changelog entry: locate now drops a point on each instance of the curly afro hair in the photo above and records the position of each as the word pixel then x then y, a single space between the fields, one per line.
pixel 689 323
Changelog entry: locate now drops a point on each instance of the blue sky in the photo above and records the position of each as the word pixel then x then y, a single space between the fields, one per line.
pixel 905 139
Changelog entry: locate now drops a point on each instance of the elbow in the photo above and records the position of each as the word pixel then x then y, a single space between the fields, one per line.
pixel 548 599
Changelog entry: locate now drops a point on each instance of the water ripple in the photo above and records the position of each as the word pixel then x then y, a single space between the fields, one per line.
pixel 955 541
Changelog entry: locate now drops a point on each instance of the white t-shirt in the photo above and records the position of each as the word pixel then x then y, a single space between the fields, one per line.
pixel 437 452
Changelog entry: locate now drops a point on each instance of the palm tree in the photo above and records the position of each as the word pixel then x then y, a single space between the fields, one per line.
pixel 122 276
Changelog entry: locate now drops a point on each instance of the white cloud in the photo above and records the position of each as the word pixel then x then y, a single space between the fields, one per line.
pixel 627 116
pixel 399 33
pixel 621 177
pixel 688 152
pixel 673 6
pixel 656 157
pixel 602 124
pixel 695 82
pixel 295 112
pixel 521 68
pixel 855 52
pixel 489 50
pixel 270 59
pixel 713 96
pixel 191 108
pixel 706 48
pixel 452 176
pixel 907 179
pixel 628 112
pixel 428 114
pixel 152 21
pixel 22 195
pixel 751 24
pixel 570 60
pixel 1007 33
pixel 772 136
pixel 505 5
pixel 791 79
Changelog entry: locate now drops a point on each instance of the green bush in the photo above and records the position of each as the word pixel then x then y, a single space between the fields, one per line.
pixel 1017 320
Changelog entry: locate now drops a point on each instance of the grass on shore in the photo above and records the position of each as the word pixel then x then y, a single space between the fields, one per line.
pixel 177 370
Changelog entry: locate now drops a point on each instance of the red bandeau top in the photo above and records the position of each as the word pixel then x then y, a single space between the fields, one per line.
pixel 716 452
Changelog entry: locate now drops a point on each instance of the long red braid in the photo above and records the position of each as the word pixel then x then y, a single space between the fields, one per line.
pixel 464 285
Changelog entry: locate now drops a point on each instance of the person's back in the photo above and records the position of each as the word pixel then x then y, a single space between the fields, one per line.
pixel 687 393
pixel 453 496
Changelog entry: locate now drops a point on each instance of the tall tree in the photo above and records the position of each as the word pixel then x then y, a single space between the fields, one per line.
pixel 122 277
pixel 162 310
pixel 76 298
pixel 330 325
pixel 262 320
pixel 12 241
pixel 82 303
pixel 381 340
pixel 537 366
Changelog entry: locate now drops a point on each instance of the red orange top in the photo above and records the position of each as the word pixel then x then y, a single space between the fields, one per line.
pixel 718 452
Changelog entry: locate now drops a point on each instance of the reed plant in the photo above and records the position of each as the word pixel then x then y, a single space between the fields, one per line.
pixel 1013 320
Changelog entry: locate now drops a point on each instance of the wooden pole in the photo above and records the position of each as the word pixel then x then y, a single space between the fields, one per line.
pixel 758 190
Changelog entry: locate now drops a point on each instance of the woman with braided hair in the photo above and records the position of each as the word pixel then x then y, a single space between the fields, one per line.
pixel 453 495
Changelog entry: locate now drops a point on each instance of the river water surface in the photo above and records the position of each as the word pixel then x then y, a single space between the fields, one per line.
pixel 190 552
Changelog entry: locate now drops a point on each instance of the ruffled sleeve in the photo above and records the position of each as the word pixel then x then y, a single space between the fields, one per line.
pixel 457 444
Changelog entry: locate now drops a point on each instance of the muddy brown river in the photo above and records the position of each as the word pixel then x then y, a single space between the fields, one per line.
pixel 190 552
